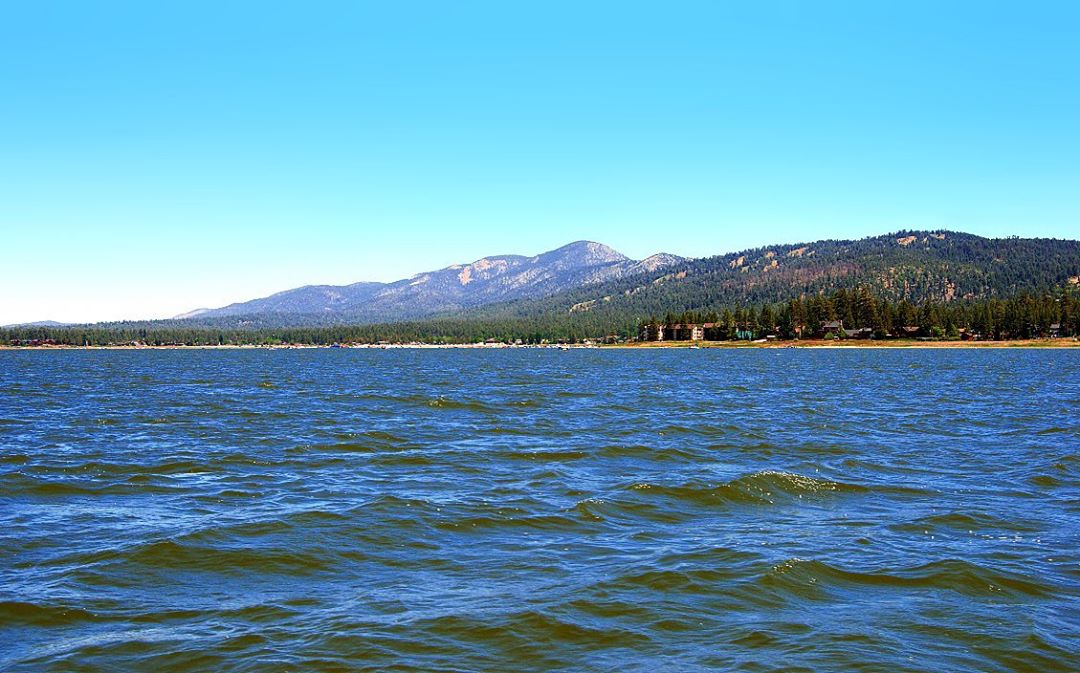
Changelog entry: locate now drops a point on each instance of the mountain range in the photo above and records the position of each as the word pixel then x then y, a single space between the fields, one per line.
pixel 593 286
pixel 587 288
pixel 459 287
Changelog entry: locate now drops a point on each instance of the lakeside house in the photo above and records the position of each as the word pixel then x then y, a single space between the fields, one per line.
pixel 676 331
pixel 687 332
pixel 706 331
pixel 832 327
pixel 652 332
pixel 860 333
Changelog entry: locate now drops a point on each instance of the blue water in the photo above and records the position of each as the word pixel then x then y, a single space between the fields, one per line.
pixel 530 510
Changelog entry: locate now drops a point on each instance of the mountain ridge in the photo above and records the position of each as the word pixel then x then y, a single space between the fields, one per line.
pixel 917 266
pixel 37 323
pixel 490 279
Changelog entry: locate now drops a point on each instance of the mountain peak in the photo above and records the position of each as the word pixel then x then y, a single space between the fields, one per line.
pixel 589 253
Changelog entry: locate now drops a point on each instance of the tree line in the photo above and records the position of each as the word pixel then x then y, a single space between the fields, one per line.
pixel 1026 315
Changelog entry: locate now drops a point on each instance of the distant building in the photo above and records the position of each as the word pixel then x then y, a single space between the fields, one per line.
pixel 676 331
pixel 686 332
pixel 652 332
pixel 861 333
pixel 831 327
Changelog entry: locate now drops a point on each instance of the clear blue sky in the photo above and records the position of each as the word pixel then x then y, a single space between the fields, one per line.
pixel 157 157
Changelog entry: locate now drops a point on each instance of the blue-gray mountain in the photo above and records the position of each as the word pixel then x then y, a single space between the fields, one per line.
pixel 461 286
pixel 37 323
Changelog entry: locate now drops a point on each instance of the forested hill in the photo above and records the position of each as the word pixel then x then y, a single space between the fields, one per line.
pixel 918 266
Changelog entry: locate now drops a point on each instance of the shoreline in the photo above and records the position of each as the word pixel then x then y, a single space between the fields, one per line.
pixel 860 343
pixel 904 343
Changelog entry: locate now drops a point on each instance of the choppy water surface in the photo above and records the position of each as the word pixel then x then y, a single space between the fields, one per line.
pixel 338 510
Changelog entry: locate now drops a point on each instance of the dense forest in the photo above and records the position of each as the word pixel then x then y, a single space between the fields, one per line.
pixel 844 312
pixel 912 284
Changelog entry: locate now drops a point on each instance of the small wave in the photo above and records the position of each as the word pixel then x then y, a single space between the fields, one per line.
pixel 528 627
pixel 383 436
pixel 260 414
pixel 950 574
pixel 1044 481
pixel 542 456
pixel 162 420
pixel 97 468
pixel 346 447
pixel 691 580
pixel 964 521
pixel 181 555
pixel 527 403
pixel 34 614
pixel 372 441
pixel 232 493
pixel 1055 431
pixel 710 556
pixel 268 613
pixel 599 509
pixel 409 458
pixel 589 509
pixel 547 522
pixel 766 486
pixel 572 393
pixel 398 513
pixel 680 430
pixel 30 486
pixel 441 402
pixel 245 460
pixel 647 452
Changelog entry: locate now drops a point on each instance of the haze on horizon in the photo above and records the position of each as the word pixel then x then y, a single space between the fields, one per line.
pixel 158 159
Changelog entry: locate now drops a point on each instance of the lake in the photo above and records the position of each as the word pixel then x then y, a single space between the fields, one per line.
pixel 537 510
